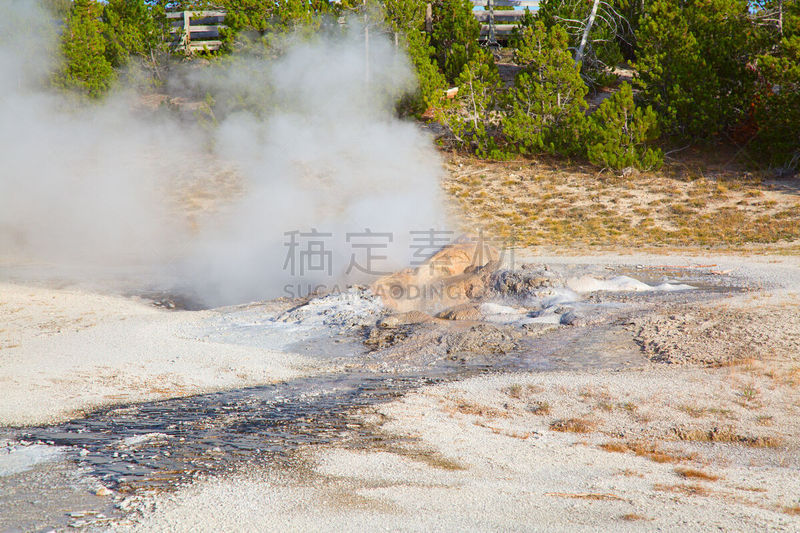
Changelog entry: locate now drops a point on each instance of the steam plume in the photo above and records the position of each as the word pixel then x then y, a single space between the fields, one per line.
pixel 103 190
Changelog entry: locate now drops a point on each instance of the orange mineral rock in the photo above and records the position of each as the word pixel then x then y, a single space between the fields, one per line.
pixel 454 275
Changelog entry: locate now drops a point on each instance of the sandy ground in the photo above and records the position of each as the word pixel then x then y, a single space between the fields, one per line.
pixel 695 439
pixel 64 352
pixel 482 454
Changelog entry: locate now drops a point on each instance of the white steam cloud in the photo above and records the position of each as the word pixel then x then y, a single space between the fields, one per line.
pixel 111 189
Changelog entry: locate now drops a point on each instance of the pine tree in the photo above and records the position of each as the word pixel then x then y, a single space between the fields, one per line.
pixel 85 68
pixel 473 118
pixel 692 64
pixel 130 30
pixel 430 81
pixel 777 108
pixel 601 52
pixel 547 103
pixel 406 19
pixel 455 35
pixel 403 16
pixel 619 132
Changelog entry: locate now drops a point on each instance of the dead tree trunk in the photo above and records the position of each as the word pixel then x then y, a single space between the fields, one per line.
pixel 586 30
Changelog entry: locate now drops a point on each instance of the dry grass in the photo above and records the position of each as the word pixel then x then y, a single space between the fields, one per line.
pixel 764 420
pixel 573 425
pixel 467 408
pixel 586 496
pixel 745 363
pixel 727 435
pixel 687 489
pixel 793 510
pixel 693 410
pixel 750 489
pixel 539 408
pixel 649 450
pixel 605 406
pixel 748 396
pixel 793 377
pixel 615 447
pixel 513 391
pixel 699 412
pixel 520 392
pixel 691 473
pixel 633 517
pixel 506 432
pixel 697 204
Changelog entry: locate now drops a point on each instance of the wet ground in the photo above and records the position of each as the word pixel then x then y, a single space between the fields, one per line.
pixel 160 445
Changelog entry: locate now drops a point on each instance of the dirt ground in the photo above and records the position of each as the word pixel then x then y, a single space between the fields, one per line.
pixel 66 351
pixel 699 201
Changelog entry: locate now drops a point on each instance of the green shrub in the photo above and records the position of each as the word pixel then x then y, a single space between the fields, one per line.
pixel 403 16
pixel 130 30
pixel 406 18
pixel 619 132
pixel 455 35
pixel 473 117
pixel 547 103
pixel 85 68
pixel 602 53
pixel 430 82
pixel 777 108
pixel 692 64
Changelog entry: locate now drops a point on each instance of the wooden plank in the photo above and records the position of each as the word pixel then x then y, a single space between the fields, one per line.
pixel 507 3
pixel 483 16
pixel 201 28
pixel 503 30
pixel 199 46
pixel 198 29
pixel 195 14
pixel 500 27
pixel 195 24
pixel 428 18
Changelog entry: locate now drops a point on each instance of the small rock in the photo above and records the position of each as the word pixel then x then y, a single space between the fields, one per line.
pixel 404 319
pixel 569 318
pixel 103 491
pixel 461 312
pixel 629 171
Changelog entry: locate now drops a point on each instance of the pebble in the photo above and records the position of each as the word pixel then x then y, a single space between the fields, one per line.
pixel 569 318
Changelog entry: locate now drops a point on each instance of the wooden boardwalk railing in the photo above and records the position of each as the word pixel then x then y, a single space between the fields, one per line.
pixel 196 31
pixel 504 21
